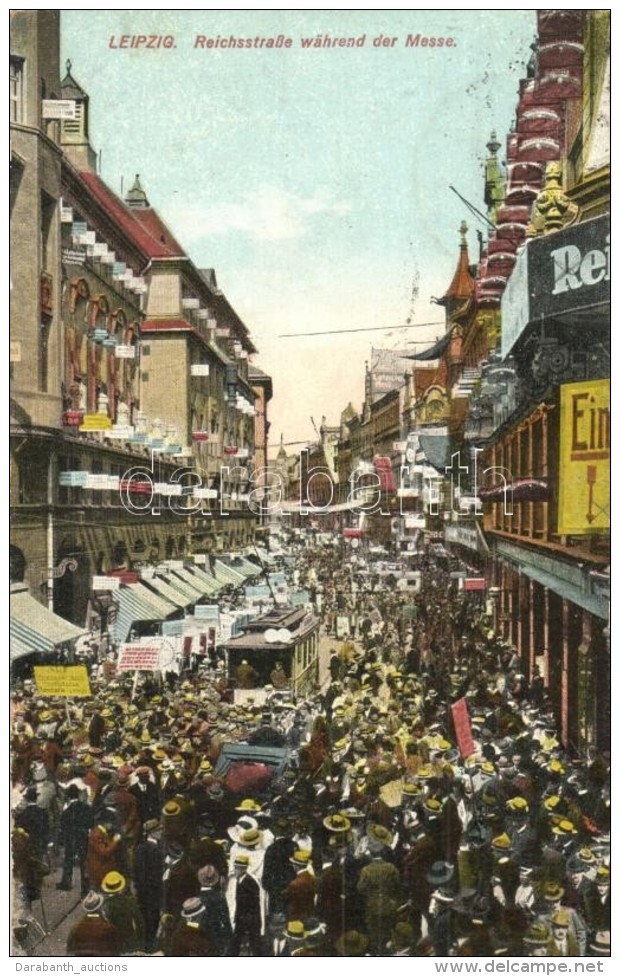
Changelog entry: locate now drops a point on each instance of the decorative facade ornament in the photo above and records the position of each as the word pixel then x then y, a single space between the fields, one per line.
pixel 552 209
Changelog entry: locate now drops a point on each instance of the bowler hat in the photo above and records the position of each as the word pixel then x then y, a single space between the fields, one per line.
pixel 441 873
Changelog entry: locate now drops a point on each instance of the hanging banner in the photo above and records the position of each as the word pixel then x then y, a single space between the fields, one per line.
pixel 462 728
pixel 584 496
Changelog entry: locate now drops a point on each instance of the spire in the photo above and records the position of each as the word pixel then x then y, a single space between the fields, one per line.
pixel 281 453
pixel 462 284
pixel 69 86
pixel 494 183
pixel 74 137
pixel 136 197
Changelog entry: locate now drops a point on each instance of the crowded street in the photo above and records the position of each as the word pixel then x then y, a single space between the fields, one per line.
pixel 310 612
pixel 352 826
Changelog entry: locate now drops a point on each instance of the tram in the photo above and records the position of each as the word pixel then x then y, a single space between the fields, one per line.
pixel 279 649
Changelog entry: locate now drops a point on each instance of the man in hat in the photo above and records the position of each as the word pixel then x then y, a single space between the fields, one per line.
pixel 189 938
pixel 34 820
pixel 563 941
pixel 600 944
pixel 300 893
pixel 537 939
pixel 380 888
pixel 245 893
pixel 278 676
pixel 121 799
pixel 276 941
pixel 96 727
pixel 179 880
pixel 278 872
pixel 93 935
pixel 104 851
pixel 246 676
pixel 148 869
pixel 146 794
pixel 216 919
pixel 123 912
pixel 76 822
pixel 597 901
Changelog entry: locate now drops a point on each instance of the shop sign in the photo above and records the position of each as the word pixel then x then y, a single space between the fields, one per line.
pixel 584 495
pixel 563 272
pixel 474 583
pixel 96 421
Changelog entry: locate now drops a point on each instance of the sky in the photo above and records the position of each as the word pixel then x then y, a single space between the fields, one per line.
pixel 315 180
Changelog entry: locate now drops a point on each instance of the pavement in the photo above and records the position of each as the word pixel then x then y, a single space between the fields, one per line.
pixel 51 917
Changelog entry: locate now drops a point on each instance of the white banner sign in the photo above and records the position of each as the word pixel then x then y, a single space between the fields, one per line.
pixel 58 108
pixel 106 583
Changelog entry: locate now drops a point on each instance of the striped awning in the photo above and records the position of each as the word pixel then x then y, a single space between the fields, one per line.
pixel 206 579
pixel 170 591
pixel 35 628
pixel 136 602
pixel 226 575
pixel 244 566
pixel 184 579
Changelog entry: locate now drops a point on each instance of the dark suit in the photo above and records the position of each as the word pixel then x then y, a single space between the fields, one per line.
pixel 247 920
pixel 215 921
pixel 148 801
pixel 76 821
pixel 148 870
pixel 278 872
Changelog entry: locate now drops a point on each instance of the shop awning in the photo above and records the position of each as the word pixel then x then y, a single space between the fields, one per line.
pixel 206 580
pixel 227 575
pixel 265 557
pixel 383 468
pixel 436 449
pixel 434 352
pixel 197 586
pixel 169 591
pixel 137 602
pixel 192 593
pixel 34 627
pixel 244 566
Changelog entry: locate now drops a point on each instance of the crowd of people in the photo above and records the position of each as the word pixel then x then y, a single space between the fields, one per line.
pixel 373 835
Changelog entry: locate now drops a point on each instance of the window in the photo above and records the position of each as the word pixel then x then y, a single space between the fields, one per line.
pixel 16 89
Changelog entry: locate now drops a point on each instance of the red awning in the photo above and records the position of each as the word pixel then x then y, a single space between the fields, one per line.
pixel 126 576
pixel 383 467
pixel 352 533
